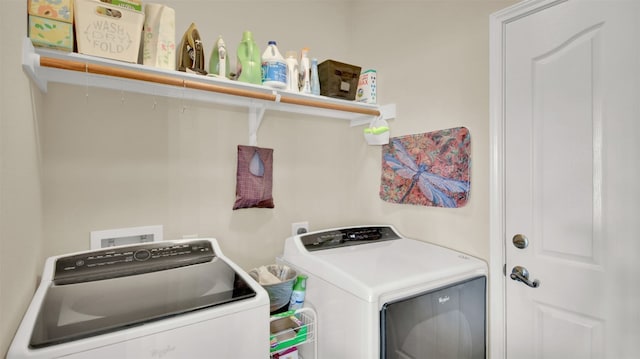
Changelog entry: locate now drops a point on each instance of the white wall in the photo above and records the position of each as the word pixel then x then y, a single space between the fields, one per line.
pixel 20 174
pixel 110 163
pixel 110 159
pixel 433 62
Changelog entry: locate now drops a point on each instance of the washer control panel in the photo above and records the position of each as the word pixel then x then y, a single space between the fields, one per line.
pixel 130 260
pixel 344 237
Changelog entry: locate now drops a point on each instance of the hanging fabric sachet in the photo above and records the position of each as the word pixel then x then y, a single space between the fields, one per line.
pixel 254 178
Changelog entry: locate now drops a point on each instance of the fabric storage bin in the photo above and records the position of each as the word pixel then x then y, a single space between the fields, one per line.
pixel 108 31
pixel 51 23
pixel 338 79
pixel 60 10
pixel 45 32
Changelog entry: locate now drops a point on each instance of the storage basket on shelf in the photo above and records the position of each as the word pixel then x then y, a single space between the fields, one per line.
pixel 338 79
pixel 107 30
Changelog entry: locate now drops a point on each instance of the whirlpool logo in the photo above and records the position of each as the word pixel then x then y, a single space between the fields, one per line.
pixel 160 353
pixel 444 299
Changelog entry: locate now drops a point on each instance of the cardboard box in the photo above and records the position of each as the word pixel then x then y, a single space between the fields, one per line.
pixel 107 30
pixel 53 34
pixel 287 331
pixel 291 353
pixel 60 10
pixel 367 87
pixel 338 79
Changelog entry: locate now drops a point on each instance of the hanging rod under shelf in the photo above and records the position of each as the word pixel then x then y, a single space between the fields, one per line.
pixel 178 81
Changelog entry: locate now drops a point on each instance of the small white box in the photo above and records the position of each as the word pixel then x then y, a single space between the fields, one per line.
pixel 291 353
pixel 107 30
pixel 367 87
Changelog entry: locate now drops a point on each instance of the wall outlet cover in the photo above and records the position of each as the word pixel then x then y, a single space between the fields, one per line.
pixel 123 236
pixel 299 228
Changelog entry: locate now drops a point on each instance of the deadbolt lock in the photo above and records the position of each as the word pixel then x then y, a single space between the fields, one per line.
pixel 520 241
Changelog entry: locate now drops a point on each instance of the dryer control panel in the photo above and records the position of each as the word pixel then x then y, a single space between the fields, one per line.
pixel 347 237
pixel 131 260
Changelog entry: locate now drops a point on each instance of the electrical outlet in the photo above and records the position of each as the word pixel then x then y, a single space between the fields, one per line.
pixel 299 228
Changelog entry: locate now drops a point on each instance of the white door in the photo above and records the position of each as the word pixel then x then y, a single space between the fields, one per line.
pixel 572 173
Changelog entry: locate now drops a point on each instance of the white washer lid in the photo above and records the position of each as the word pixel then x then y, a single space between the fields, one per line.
pixel 372 269
pixel 114 291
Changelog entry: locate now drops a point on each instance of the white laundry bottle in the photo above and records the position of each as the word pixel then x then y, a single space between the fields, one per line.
pixel 292 71
pixel 305 71
pixel 274 68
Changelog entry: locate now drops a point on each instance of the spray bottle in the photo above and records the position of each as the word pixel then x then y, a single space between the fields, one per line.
pixel 299 289
pixel 315 79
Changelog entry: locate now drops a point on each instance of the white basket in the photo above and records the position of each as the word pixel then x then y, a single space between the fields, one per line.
pixel 377 139
pixel 279 293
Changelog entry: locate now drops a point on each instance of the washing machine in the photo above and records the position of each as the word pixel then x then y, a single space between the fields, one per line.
pixel 168 299
pixel 378 294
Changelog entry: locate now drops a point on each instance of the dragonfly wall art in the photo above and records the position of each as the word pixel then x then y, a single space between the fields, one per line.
pixel 430 169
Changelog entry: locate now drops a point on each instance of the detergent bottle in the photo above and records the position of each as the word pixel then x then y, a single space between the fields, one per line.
pixel 292 71
pixel 305 71
pixel 219 61
pixel 274 68
pixel 249 64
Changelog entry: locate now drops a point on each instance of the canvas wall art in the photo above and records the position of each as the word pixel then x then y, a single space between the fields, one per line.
pixel 429 169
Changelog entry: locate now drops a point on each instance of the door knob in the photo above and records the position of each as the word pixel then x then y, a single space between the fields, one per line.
pixel 521 274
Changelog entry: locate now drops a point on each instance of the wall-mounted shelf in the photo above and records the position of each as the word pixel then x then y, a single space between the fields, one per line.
pixel 44 66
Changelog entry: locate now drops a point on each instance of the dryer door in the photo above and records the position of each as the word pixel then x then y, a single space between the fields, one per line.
pixel 445 323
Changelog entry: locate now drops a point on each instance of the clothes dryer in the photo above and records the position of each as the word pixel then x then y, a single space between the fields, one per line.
pixel 381 295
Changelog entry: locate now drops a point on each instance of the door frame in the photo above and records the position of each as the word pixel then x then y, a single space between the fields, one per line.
pixel 497 250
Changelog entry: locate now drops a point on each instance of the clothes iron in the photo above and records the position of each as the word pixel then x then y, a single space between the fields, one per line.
pixel 191 52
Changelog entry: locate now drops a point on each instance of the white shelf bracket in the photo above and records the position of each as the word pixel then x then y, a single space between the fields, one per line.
pixel 256 114
pixel 388 112
pixel 31 64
